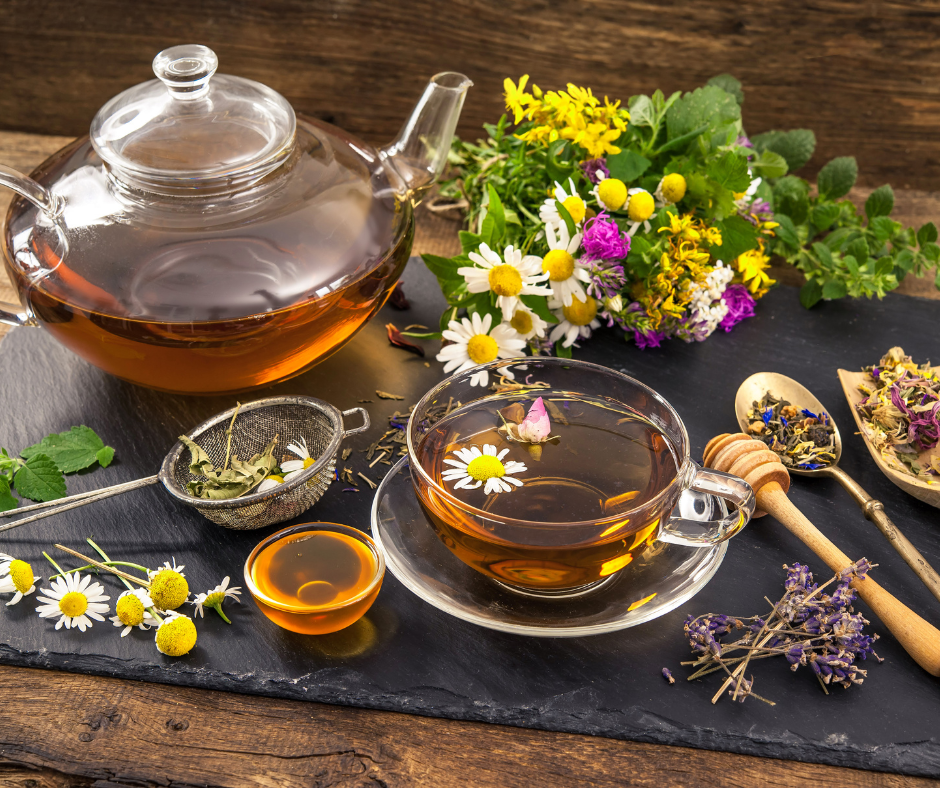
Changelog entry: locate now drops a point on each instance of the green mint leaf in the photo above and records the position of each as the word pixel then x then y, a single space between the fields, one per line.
pixel 884 266
pixel 824 215
pixel 487 230
pixel 71 451
pixel 642 111
pixel 810 294
pixel 738 236
pixel 7 501
pixel 469 242
pixel 442 267
pixel 824 253
pixel 796 147
pixel 834 289
pixel 446 317
pixel 837 178
pixel 105 455
pixel 786 232
pixel 628 165
pixel 769 164
pixel 927 234
pixel 495 209
pixel 904 262
pixel 730 171
pixel 539 305
pixel 40 479
pixel 682 140
pixel 791 196
pixel 937 280
pixel 880 202
pixel 569 222
pixel 729 84
pixel 561 351
pixel 708 106
pixel 884 228
pixel 859 250
pixel 932 252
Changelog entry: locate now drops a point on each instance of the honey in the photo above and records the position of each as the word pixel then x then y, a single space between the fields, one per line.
pixel 605 472
pixel 314 580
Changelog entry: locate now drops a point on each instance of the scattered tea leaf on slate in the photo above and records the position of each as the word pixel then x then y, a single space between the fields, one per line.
pixel 7 501
pixel 386 395
pixel 78 448
pixel 40 479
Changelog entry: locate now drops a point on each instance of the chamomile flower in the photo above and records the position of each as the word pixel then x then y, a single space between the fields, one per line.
pixel 640 206
pixel 292 467
pixel 611 193
pixel 168 586
pixel 16 577
pixel 176 635
pixel 548 211
pixel 527 324
pixel 574 321
pixel 75 600
pixel 473 344
pixel 270 483
pixel 744 199
pixel 670 190
pixel 131 609
pixel 477 468
pixel 215 597
pixel 508 277
pixel 566 275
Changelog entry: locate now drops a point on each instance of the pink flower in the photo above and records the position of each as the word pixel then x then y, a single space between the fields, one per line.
pixel 536 426
pixel 740 305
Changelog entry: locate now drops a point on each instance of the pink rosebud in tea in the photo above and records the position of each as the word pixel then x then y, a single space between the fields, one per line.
pixel 535 427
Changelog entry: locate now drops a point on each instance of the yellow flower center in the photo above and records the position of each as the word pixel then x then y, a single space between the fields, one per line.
pixel 73 604
pixel 485 467
pixel 521 321
pixel 613 193
pixel 275 478
pixel 214 598
pixel 308 461
pixel 558 264
pixel 482 349
pixel 673 187
pixel 130 610
pixel 505 280
pixel 576 207
pixel 580 313
pixel 176 637
pixel 640 207
pixel 169 589
pixel 22 576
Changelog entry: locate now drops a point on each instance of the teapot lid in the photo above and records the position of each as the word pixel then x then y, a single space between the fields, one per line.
pixel 192 129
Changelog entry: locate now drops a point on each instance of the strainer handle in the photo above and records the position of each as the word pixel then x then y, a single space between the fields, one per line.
pixel 73 501
pixel 366 423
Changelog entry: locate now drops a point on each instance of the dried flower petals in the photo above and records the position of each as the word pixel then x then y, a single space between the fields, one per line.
pixel 803 439
pixel 395 338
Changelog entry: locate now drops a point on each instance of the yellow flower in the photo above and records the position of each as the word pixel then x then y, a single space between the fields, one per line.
pixel 752 268
pixel 672 188
pixel 682 227
pixel 176 635
pixel 611 193
pixel 517 98
pixel 641 206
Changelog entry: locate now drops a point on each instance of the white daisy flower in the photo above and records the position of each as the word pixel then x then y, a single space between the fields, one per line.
pixel 611 193
pixel 75 600
pixel 548 211
pixel 16 577
pixel 166 566
pixel 215 597
pixel 640 206
pixel 475 468
pixel 744 200
pixel 574 321
pixel 566 275
pixel 527 324
pixel 474 344
pixel 508 277
pixel 293 467
pixel 131 608
pixel 270 482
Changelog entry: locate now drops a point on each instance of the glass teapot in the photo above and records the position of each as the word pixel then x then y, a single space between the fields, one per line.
pixel 205 239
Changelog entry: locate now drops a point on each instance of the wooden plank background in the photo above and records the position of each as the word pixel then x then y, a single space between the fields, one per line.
pixel 864 76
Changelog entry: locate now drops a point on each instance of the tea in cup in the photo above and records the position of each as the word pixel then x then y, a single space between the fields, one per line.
pixel 562 511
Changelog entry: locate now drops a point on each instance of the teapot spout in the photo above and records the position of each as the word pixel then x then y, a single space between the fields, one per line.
pixel 419 153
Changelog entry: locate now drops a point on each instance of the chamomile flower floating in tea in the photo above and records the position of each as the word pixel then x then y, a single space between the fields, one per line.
pixel 507 277
pixel 566 275
pixel 486 467
pixel 215 597
pixel 574 321
pixel 473 343
pixel 75 600
pixel 568 196
pixel 131 611
pixel 176 635
pixel 169 588
pixel 16 577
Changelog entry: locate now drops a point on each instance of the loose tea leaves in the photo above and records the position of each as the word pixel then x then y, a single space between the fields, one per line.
pixel 803 439
pixel 227 482
pixel 901 411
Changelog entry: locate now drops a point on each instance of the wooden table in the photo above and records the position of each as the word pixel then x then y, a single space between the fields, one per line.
pixel 60 729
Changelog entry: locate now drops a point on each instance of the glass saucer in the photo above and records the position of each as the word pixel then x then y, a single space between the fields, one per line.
pixel 659 580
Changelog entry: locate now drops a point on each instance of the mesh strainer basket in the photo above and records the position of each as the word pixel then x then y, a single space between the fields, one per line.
pixel 290 418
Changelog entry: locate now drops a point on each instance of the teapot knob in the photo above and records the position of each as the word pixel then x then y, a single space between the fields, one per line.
pixel 186 70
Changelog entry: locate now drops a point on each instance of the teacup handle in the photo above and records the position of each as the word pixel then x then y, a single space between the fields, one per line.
pixel 695 533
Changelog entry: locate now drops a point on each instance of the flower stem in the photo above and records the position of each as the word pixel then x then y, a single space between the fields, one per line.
pixel 218 609
pixel 51 561
pixel 108 561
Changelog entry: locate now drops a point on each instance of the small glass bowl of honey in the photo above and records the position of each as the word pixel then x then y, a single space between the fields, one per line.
pixel 315 578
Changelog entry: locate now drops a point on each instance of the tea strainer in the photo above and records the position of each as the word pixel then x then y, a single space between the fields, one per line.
pixel 291 418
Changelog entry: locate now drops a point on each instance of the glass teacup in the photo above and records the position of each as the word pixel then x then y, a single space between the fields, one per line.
pixel 562 516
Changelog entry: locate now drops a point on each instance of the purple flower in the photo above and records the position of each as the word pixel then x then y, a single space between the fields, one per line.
pixel 744 142
pixel 650 338
pixel 603 240
pixel 667 674
pixel 740 305
pixel 592 167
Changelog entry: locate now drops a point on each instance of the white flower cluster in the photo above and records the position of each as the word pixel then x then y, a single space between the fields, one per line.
pixel 707 309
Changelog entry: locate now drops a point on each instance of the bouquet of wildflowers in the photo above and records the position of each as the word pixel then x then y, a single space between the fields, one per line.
pixel 658 218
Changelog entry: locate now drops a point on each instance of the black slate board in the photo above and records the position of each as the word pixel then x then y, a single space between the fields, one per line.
pixel 407 656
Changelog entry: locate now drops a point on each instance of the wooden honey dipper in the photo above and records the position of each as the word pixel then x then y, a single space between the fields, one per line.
pixel 762 469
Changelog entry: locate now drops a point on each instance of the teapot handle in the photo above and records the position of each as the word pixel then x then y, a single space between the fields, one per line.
pixel 50 205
